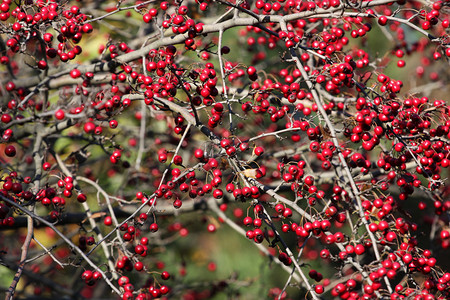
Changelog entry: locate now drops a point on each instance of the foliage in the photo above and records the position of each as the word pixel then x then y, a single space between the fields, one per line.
pixel 224 149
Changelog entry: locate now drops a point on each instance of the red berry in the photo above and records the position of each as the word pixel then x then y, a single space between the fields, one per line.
pixel 59 114
pixel 87 28
pixel 81 197
pixel 382 20
pixel 319 289
pixel 147 18
pixel 89 127
pixel 251 71
pixel 113 124
pixel 164 5
pixel 139 266
pixel 10 151
pixel 75 73
pixel 165 275
pixel 107 221
pixel 6 118
pixel 87 275
pixel 42 64
pixel 259 151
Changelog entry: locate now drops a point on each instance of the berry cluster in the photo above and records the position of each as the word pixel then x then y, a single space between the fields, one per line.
pixel 317 130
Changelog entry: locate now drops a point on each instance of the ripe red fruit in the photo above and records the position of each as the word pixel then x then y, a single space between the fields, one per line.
pixel 11 43
pixel 319 289
pixel 59 114
pixel 386 143
pixel 89 127
pixel 287 213
pixel 81 197
pixel 113 124
pixel 42 64
pixel 382 20
pixel 107 221
pixel 10 151
pixel 87 275
pixel 97 275
pixel 447 52
pixel 16 26
pixel 211 228
pixel 87 28
pixel 198 153
pixel 444 234
pixel 75 73
pixel 391 236
pixel 48 37
pixel 213 163
pixel 225 143
pixel 401 63
pixel 153 227
pixel 218 193
pixel 164 5
pixel 139 266
pixel 163 289
pixel 359 249
pixel 6 118
pixel 177 160
pixel 251 71
pixel 147 18
pixel 259 151
pixel 279 207
pixel 177 203
pixel 407 258
pixel 74 9
pixel 165 275
pixel 10 86
pixel 243 146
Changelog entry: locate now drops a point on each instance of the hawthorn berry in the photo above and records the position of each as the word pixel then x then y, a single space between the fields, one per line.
pixel 10 151
pixel 75 73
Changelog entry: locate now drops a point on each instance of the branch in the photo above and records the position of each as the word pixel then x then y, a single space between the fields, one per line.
pixel 68 242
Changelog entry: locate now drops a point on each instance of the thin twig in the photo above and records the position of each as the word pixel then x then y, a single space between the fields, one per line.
pixel 68 241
